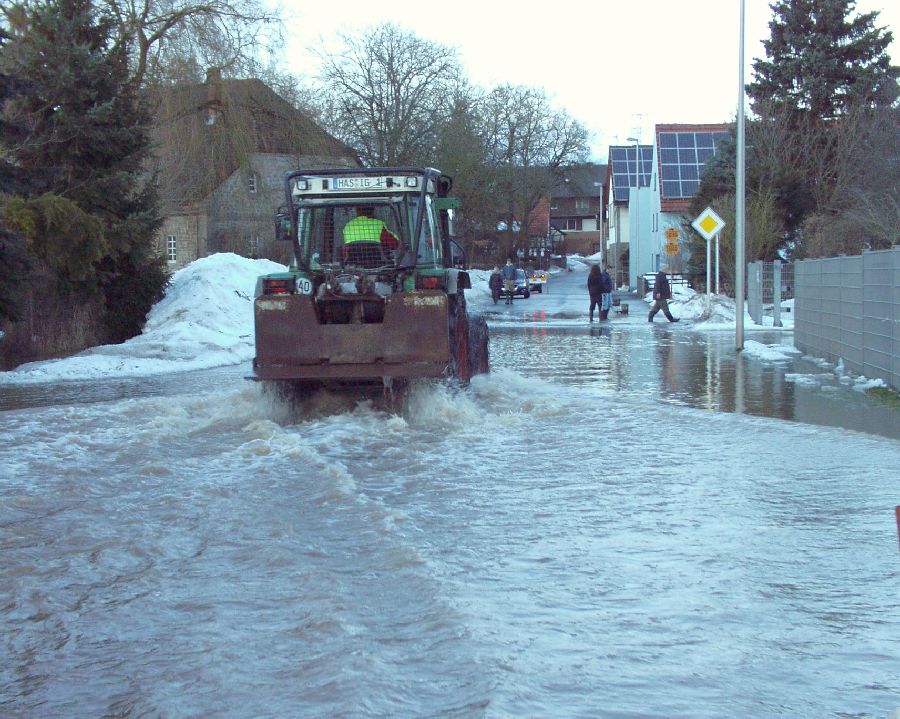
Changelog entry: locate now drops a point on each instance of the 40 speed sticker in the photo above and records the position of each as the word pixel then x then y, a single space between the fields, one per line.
pixel 304 286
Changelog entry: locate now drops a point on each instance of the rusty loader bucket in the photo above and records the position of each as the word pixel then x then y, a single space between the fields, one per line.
pixel 296 339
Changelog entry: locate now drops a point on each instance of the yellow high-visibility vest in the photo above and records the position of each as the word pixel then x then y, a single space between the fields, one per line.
pixel 363 229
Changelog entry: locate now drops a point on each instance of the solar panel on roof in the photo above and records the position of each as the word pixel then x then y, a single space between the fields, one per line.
pixel 682 157
pixel 625 169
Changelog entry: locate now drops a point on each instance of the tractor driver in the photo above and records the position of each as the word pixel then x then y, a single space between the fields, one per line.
pixel 365 227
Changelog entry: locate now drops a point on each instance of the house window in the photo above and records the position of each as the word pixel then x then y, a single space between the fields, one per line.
pixel 553 205
pixel 251 182
pixel 255 242
pixel 171 249
pixel 569 223
pixel 582 203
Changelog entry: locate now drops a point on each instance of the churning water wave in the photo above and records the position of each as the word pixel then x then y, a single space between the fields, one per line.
pixel 515 548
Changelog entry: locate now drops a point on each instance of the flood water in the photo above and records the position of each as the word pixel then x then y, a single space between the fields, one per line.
pixel 693 369
pixel 616 522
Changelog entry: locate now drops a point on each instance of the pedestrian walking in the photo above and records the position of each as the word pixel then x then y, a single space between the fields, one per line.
pixel 662 293
pixel 496 284
pixel 509 280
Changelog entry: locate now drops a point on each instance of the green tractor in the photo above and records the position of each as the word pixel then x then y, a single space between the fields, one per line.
pixel 375 291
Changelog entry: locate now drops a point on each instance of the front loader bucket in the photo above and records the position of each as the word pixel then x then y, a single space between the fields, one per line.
pixel 294 341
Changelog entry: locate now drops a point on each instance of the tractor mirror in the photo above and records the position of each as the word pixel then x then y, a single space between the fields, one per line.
pixel 283 226
pixel 458 256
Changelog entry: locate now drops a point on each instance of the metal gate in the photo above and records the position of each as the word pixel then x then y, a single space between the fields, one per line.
pixel 768 285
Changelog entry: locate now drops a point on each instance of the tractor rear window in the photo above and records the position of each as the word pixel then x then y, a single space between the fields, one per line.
pixel 345 235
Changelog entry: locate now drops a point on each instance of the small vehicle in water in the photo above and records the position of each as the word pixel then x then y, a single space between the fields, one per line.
pixel 373 294
pixel 538 278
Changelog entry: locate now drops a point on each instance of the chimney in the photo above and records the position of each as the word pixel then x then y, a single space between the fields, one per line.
pixel 213 94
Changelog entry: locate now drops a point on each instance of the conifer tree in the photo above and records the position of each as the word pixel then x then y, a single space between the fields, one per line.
pixel 822 59
pixel 13 262
pixel 91 219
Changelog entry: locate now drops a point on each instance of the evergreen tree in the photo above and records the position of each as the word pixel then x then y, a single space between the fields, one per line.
pixel 821 61
pixel 13 259
pixel 92 218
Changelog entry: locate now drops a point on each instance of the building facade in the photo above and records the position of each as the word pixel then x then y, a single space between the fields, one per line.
pixel 224 147
pixel 577 208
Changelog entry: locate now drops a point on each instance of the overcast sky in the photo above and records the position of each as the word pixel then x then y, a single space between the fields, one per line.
pixel 618 67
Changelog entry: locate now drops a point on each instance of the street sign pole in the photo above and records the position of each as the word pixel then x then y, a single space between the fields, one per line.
pixel 708 278
pixel 709 224
pixel 718 274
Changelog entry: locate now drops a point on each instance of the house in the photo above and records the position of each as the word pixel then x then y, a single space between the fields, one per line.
pixel 577 207
pixel 627 180
pixel 680 155
pixel 223 148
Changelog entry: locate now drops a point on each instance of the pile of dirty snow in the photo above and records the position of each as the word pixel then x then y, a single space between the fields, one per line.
pixel 204 320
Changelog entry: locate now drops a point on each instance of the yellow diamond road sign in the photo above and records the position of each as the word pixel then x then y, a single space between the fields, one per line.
pixel 708 223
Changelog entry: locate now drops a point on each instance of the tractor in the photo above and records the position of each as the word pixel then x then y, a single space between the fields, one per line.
pixel 374 293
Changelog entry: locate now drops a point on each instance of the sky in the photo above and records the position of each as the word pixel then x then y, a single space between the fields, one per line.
pixel 618 67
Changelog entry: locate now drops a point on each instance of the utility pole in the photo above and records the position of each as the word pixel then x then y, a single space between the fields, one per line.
pixel 739 200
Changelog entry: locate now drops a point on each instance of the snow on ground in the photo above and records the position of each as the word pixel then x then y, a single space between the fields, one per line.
pixel 769 353
pixel 720 313
pixel 205 320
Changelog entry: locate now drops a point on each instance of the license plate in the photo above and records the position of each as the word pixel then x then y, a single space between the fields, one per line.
pixel 359 183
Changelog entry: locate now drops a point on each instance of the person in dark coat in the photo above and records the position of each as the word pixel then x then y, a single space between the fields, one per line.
pixel 606 288
pixel 496 284
pixel 662 293
pixel 595 290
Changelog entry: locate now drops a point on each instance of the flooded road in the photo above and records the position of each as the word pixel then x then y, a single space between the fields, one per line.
pixel 616 522
pixel 692 369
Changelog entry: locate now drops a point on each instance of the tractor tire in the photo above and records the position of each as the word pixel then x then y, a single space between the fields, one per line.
pixel 479 361
pixel 459 337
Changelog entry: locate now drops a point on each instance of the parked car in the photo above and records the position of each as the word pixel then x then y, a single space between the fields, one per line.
pixel 523 285
pixel 537 280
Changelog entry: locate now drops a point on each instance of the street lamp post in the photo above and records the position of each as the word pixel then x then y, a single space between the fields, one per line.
pixel 739 199
pixel 637 217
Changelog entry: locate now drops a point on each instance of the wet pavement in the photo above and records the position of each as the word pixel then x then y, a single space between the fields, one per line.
pixel 678 364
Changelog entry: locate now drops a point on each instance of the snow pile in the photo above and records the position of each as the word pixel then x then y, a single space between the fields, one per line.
pixel 770 353
pixel 687 304
pixel 205 320
pixel 860 383
pixel 480 287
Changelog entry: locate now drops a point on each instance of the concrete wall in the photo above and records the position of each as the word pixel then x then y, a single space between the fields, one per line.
pixel 848 308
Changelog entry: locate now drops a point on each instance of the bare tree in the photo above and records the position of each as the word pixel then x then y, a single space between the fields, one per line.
pixel 841 177
pixel 390 93
pixel 858 201
pixel 461 151
pixel 179 39
pixel 528 140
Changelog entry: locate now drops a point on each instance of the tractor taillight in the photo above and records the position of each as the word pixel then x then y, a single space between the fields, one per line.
pixel 428 282
pixel 279 286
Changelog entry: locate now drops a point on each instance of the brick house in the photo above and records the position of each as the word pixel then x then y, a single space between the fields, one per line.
pixel 577 206
pixel 223 148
